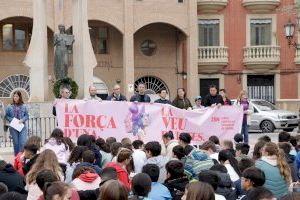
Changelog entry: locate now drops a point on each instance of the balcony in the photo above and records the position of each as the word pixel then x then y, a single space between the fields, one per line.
pixel 212 59
pixel 261 6
pixel 211 6
pixel 261 58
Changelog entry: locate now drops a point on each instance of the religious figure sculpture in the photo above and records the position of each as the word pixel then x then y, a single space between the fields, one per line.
pixel 63 44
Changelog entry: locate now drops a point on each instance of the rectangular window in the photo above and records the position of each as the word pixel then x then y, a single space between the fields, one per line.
pixel 20 34
pixel 103 36
pixel 15 36
pixel 99 39
pixel 7 37
pixel 209 32
pixel 261 33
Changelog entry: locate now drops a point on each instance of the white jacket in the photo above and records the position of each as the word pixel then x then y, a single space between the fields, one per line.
pixel 81 185
pixel 249 111
pixel 167 149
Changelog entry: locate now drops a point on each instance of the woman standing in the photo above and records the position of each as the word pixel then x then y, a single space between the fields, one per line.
pixel 276 169
pixel 181 101
pixel 19 111
pixel 243 101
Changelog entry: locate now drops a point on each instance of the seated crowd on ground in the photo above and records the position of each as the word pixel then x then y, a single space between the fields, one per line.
pixel 107 169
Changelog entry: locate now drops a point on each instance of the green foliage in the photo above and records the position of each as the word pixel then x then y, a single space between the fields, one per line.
pixel 68 83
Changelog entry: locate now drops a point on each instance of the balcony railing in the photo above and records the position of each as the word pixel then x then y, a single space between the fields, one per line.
pixel 261 6
pixel 210 6
pixel 212 58
pixel 267 57
pixel 38 126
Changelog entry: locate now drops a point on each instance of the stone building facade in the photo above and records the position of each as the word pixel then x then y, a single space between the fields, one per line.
pixel 168 44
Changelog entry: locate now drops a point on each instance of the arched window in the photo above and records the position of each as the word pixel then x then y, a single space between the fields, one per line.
pixel 13 82
pixel 153 86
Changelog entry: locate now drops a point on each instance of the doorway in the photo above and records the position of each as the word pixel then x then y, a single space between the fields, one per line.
pixel 205 83
pixel 261 87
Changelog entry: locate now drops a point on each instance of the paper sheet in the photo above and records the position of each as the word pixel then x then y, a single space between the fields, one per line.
pixel 16 125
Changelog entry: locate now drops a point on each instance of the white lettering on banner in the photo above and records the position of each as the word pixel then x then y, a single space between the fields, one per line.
pixel 145 121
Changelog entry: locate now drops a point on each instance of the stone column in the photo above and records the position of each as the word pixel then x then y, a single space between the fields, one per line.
pixel 84 59
pixel 58 13
pixel 192 57
pixel 128 49
pixel 37 54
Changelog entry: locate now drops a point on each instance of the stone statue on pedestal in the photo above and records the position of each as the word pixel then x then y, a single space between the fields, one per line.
pixel 63 44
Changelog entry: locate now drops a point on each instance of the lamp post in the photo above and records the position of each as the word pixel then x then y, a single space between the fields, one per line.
pixel 289 30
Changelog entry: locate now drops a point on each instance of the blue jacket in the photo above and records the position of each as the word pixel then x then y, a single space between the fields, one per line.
pixel 10 114
pixel 274 180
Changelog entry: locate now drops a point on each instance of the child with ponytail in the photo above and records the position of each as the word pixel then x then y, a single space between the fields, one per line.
pixel 276 169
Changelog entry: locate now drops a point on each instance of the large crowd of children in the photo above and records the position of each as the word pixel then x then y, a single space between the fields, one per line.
pixel 99 169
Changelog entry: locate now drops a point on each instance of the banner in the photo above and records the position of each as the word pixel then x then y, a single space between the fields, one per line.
pixel 145 121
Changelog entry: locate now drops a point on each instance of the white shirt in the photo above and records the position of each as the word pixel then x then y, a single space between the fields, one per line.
pixel 233 175
pixel 214 156
pixel 219 197
pixel 139 159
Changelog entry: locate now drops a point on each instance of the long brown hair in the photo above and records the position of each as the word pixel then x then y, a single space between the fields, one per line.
pixel 200 190
pixel 257 150
pixel 46 160
pixel 113 190
pixel 272 149
pixel 20 102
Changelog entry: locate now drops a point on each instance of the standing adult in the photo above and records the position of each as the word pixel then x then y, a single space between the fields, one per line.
pixel 19 111
pixel 116 95
pixel 65 93
pixel 213 98
pixel 141 96
pixel 198 103
pixel 181 101
pixel 93 94
pixel 243 101
pixel 226 100
pixel 163 97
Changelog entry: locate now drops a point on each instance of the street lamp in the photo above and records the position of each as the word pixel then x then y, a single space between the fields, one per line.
pixel 289 30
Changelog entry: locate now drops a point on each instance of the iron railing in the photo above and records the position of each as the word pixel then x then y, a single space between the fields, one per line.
pixel 38 126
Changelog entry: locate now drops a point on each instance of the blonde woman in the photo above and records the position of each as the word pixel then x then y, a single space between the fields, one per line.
pixel 46 160
pixel 277 171
pixel 244 102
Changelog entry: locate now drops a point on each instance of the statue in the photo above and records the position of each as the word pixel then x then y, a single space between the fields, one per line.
pixel 63 43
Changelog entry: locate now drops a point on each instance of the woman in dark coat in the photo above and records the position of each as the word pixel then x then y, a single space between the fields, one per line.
pixel 181 101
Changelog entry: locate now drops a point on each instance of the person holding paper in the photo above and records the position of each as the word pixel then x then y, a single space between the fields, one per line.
pixel 17 111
